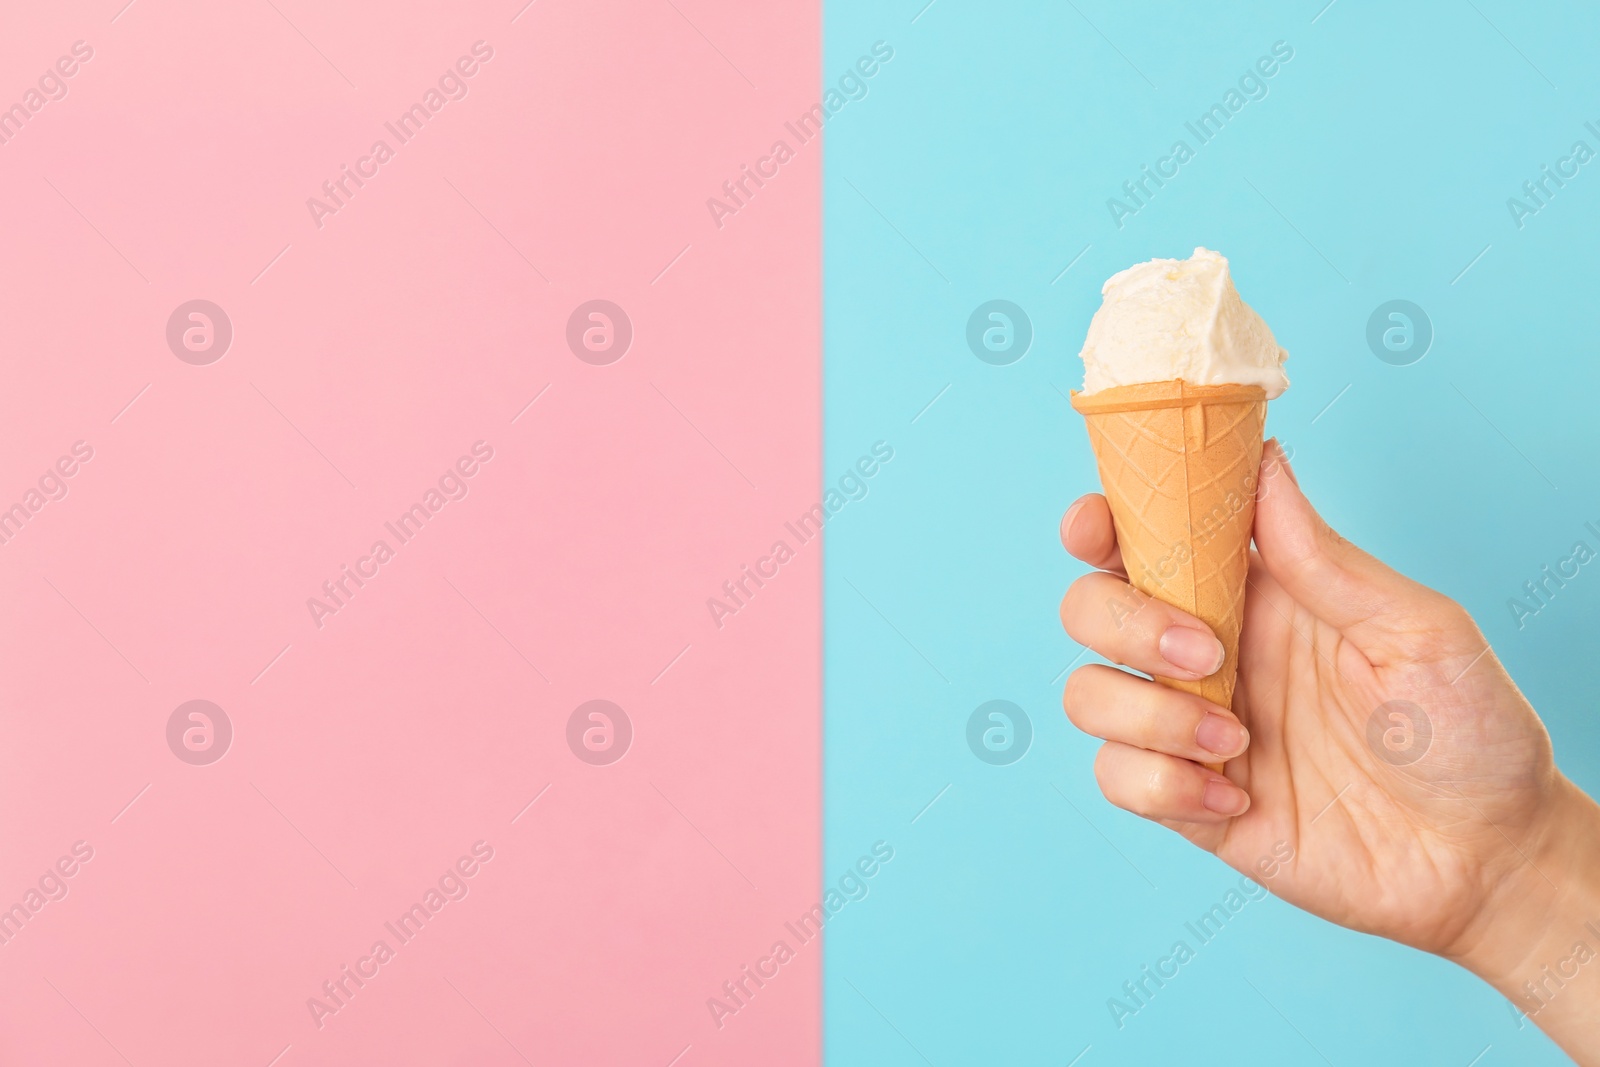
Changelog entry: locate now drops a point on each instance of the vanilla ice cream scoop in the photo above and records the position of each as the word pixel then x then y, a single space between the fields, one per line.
pixel 1179 319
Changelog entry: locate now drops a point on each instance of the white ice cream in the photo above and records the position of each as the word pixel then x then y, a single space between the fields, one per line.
pixel 1179 318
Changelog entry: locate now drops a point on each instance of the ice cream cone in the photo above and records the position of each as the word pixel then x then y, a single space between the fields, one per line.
pixel 1179 464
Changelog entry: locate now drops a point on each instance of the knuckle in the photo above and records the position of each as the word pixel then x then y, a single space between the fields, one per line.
pixel 1459 616
pixel 1448 619
pixel 1095 611
pixel 1072 697
pixel 1160 787
pixel 1078 592
pixel 1105 770
pixel 1067 610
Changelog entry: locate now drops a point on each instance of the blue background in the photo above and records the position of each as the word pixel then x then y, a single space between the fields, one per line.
pixel 978 167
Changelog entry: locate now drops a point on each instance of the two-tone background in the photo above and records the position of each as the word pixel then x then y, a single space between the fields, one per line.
pixel 590 347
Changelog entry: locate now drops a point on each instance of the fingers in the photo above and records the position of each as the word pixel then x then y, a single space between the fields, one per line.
pixel 1116 706
pixel 1158 786
pixel 1125 626
pixel 1154 738
pixel 1087 533
pixel 1338 582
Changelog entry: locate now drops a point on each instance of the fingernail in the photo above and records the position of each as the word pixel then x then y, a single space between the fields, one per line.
pixel 1225 798
pixel 1072 512
pixel 1191 650
pixel 1221 736
pixel 1283 458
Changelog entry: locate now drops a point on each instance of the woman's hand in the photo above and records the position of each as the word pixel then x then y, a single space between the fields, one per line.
pixel 1373 732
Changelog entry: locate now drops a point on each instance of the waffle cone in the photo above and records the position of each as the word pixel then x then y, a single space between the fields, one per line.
pixel 1179 465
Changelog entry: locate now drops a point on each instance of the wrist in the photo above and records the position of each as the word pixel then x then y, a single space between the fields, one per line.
pixel 1538 928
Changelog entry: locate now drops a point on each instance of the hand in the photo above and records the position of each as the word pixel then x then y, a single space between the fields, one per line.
pixel 1446 826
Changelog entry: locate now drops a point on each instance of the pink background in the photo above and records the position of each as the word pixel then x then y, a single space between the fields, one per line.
pixel 369 754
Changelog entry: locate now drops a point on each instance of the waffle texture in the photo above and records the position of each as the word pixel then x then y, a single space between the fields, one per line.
pixel 1179 465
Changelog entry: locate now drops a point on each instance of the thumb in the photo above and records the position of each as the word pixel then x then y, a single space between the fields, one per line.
pixel 1371 603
